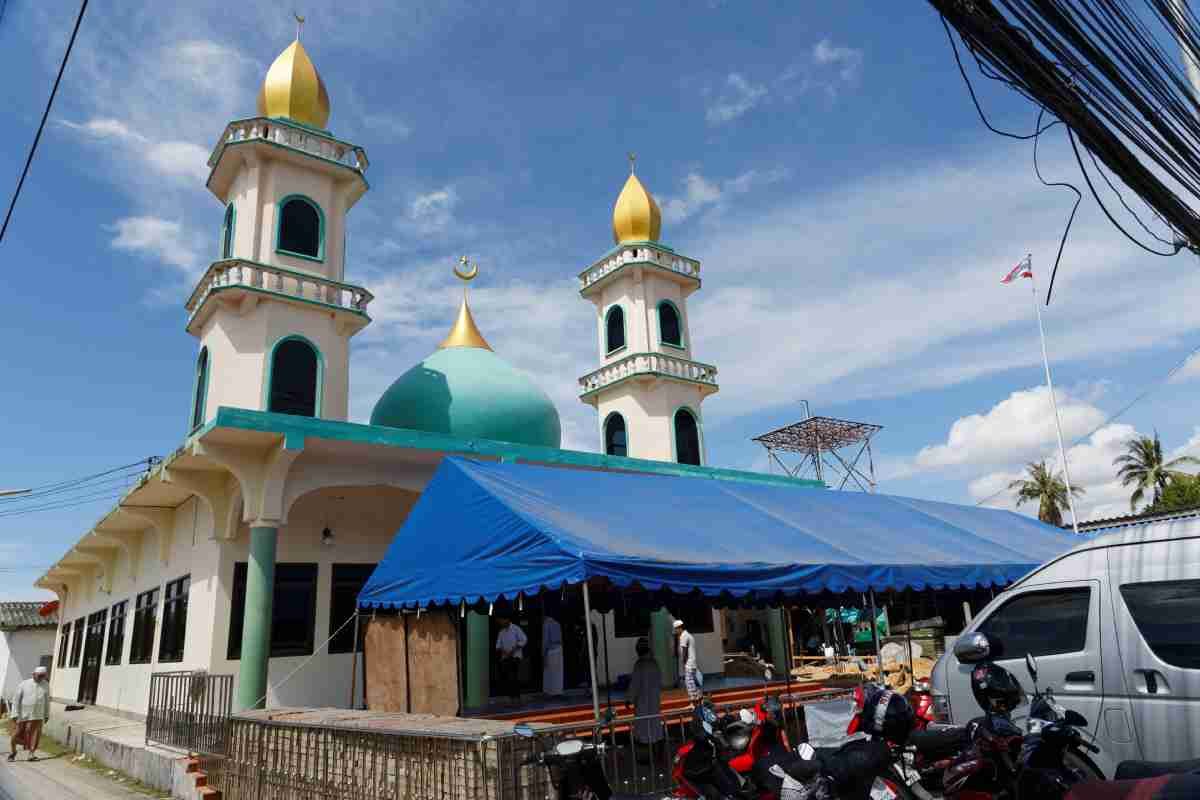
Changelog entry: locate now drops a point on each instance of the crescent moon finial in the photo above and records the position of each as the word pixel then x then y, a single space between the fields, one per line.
pixel 469 270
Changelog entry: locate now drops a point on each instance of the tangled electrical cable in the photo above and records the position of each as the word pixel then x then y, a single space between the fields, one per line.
pixel 107 484
pixel 1100 68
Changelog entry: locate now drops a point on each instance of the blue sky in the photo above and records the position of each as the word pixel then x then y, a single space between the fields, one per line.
pixel 852 215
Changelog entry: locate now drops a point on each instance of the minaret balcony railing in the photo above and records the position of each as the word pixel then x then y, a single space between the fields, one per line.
pixel 650 365
pixel 237 273
pixel 295 137
pixel 646 253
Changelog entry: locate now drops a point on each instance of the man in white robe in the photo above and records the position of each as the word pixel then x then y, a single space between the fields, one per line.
pixel 552 657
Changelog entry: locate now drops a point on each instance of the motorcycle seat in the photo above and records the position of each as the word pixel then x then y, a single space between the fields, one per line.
pixel 737 737
pixel 1134 770
pixel 939 740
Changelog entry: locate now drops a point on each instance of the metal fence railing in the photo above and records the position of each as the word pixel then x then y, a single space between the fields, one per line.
pixel 190 710
pixel 274 760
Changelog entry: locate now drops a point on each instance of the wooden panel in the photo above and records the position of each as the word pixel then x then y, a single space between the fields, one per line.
pixel 387 680
pixel 412 664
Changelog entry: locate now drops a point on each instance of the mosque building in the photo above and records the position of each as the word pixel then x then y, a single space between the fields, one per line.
pixel 244 550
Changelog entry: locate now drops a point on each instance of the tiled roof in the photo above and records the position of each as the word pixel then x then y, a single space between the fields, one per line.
pixel 25 615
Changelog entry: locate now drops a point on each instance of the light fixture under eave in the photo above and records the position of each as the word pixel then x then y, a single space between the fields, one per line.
pixel 328 538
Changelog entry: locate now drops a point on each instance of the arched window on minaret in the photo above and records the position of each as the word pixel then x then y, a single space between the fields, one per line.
pixel 201 390
pixel 614 329
pixel 670 331
pixel 295 378
pixel 687 438
pixel 616 442
pixel 301 228
pixel 227 232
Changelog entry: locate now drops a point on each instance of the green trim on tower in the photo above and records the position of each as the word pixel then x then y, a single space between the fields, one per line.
pixel 608 348
pixel 200 388
pixel 256 627
pixel 221 148
pixel 604 431
pixel 654 372
pixel 699 432
pixel 228 231
pixel 269 368
pixel 320 256
pixel 605 279
pixel 682 343
pixel 311 428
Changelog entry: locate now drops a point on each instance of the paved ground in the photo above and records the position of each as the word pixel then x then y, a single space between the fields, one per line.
pixel 56 778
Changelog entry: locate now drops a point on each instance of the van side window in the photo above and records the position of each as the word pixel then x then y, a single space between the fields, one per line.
pixel 1041 623
pixel 1167 614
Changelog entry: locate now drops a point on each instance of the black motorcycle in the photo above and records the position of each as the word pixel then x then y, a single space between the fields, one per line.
pixel 1051 733
pixel 574 765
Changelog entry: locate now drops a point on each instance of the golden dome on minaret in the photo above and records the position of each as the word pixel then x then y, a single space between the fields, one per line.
pixel 293 89
pixel 636 217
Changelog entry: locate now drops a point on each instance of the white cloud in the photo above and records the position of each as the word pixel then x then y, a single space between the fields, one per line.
pixel 168 158
pixel 736 98
pixel 182 159
pixel 1018 427
pixel 433 211
pixel 700 194
pixel 847 61
pixel 157 239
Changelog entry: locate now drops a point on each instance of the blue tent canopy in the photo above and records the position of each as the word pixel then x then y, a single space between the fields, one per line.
pixel 483 531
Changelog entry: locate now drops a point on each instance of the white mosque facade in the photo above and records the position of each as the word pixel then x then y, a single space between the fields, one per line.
pixel 243 551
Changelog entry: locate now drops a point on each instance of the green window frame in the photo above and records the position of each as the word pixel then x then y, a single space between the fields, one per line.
pixel 685 452
pixel 670 308
pixel 200 390
pixel 611 446
pixel 228 226
pixel 614 336
pixel 279 232
pixel 272 400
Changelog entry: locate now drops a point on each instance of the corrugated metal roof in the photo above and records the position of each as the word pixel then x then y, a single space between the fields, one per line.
pixel 25 615
pixel 1135 519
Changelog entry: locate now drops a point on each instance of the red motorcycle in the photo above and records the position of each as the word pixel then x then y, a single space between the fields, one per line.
pixel 921 698
pixel 741 740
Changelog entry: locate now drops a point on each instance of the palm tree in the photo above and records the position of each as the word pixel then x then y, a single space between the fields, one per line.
pixel 1143 466
pixel 1047 489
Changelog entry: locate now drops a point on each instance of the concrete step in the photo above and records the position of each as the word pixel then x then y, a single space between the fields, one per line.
pixel 201 779
pixel 208 793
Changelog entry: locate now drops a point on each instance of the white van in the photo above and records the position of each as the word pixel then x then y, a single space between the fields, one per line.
pixel 1115 626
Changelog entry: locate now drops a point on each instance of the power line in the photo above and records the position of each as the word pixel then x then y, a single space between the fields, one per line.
pixel 79 501
pixel 41 126
pixel 59 486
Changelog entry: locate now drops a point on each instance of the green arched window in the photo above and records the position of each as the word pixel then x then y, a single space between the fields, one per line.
pixel 670 326
pixel 294 385
pixel 614 329
pixel 687 438
pixel 300 230
pixel 616 438
pixel 227 232
pixel 201 390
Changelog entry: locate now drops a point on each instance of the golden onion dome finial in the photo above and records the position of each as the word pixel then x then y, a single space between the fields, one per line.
pixel 465 333
pixel 293 88
pixel 636 217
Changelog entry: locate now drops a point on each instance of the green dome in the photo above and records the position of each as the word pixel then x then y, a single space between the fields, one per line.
pixel 472 393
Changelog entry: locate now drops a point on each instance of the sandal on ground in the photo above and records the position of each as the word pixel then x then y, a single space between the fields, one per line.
pixel 12 756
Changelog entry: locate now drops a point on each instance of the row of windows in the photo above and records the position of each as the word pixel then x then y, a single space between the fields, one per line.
pixel 686 430
pixel 300 229
pixel 670 328
pixel 294 380
pixel 141 649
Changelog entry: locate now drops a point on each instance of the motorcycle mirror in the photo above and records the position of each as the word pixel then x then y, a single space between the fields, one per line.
pixel 570 747
pixel 971 648
pixel 1075 719
pixel 1031 665
pixel 768 674
pixel 524 731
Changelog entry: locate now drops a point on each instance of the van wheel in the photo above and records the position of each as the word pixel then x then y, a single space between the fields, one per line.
pixel 1073 759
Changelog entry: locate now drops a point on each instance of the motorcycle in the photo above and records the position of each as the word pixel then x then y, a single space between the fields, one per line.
pixel 1051 732
pixel 921 697
pixel 574 766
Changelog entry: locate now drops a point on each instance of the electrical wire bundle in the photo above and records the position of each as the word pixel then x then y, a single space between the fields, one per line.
pixel 100 486
pixel 1115 76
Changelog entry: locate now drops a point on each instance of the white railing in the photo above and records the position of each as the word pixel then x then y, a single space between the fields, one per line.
pixel 644 253
pixel 648 364
pixel 293 136
pixel 300 285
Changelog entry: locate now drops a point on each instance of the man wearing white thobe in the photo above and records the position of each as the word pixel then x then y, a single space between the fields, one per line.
pixel 30 710
pixel 693 680
pixel 552 657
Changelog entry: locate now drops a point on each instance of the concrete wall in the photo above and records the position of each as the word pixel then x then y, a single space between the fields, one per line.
pixel 20 652
pixel 193 552
pixel 649 410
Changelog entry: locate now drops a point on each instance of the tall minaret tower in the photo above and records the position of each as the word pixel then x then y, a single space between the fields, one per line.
pixel 648 390
pixel 273 314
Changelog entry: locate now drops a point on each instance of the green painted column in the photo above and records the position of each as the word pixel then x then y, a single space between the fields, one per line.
pixel 478 659
pixel 256 628
pixel 777 640
pixel 662 644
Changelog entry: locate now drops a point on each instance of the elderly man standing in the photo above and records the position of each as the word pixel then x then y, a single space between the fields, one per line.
pixel 30 709
pixel 693 678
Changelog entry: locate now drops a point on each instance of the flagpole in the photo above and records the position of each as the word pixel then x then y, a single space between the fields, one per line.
pixel 1062 451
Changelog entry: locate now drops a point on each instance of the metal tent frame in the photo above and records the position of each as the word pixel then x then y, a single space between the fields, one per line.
pixel 825 444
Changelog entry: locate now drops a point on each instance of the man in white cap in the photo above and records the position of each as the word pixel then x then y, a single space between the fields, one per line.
pixel 693 680
pixel 30 709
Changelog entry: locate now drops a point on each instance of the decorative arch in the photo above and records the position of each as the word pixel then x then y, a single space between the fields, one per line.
pixel 670 324
pixel 295 377
pixel 300 228
pixel 685 439
pixel 616 435
pixel 614 329
pixel 227 228
pixel 200 389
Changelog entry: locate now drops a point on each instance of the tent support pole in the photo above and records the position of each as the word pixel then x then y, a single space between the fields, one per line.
pixel 875 638
pixel 587 634
pixel 908 633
